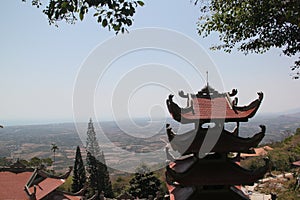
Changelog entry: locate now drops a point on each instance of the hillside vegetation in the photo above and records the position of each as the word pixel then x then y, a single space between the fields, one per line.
pixel 282 156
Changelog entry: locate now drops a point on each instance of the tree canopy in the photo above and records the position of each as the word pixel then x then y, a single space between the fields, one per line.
pixel 144 183
pixel 254 25
pixel 112 14
pixel 99 180
pixel 96 165
pixel 79 176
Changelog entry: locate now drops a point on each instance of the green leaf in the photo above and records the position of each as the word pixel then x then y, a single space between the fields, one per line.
pixel 141 3
pixel 64 4
pixel 109 14
pixel 104 23
pixel 99 19
pixel 81 15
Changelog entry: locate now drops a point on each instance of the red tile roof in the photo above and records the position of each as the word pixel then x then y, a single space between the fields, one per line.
pixel 207 108
pixel 217 108
pixel 261 151
pixel 46 186
pixel 296 163
pixel 12 185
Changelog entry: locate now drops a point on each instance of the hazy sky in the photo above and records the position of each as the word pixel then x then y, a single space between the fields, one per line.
pixel 39 65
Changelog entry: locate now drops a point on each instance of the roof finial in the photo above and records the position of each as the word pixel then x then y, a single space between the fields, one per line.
pixel 207 78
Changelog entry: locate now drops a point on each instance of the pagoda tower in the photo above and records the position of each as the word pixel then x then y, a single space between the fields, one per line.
pixel 205 170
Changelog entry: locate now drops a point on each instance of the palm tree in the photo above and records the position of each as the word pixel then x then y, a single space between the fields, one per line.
pixel 54 148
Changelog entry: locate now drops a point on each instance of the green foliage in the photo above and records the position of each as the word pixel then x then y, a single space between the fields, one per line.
pixel 253 163
pixel 297 131
pixel 92 145
pixel 120 185
pixel 33 162
pixel 285 189
pixel 286 152
pixel 282 156
pixel 144 183
pixel 26 163
pixel 47 161
pixel 37 162
pixel 254 25
pixel 67 186
pixel 98 177
pixel 5 162
pixel 112 14
pixel 79 177
pixel 99 180
pixel 280 160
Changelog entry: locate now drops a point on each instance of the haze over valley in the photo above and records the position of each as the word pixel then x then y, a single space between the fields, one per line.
pixel 26 142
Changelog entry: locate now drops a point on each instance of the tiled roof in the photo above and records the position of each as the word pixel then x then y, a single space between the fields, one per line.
pixel 210 171
pixel 296 163
pixel 194 193
pixel 12 185
pixel 205 108
pixel 260 151
pixel 225 141
pixel 217 108
pixel 46 186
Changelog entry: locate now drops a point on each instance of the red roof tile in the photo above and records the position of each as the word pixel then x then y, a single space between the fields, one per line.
pixel 261 151
pixel 12 185
pixel 217 108
pixel 205 109
pixel 46 186
pixel 296 163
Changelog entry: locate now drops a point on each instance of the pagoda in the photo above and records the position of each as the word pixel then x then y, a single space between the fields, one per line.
pixel 208 167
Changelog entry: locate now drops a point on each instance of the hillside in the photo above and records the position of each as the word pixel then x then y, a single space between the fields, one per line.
pixel 283 177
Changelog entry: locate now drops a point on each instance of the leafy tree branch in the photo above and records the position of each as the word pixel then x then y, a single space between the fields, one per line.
pixel 254 26
pixel 116 15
